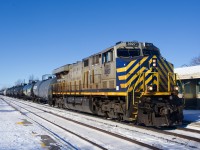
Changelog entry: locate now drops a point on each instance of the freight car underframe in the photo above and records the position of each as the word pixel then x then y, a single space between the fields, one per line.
pixel 150 111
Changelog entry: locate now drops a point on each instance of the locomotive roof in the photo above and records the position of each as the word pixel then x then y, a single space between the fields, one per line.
pixel 111 47
pixel 64 68
pixel 123 44
pixel 61 69
pixel 118 44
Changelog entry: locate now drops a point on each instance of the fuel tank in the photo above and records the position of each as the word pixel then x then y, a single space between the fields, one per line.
pixel 82 104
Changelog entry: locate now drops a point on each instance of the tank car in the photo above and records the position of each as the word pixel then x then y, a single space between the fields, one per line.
pixel 28 90
pixel 1 92
pixel 15 89
pixel 7 91
pixel 18 91
pixel 42 89
pixel 129 81
pixel 10 91
pixel 4 92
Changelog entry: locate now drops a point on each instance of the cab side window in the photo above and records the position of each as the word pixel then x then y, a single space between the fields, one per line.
pixel 95 59
pixel 107 56
pixel 86 62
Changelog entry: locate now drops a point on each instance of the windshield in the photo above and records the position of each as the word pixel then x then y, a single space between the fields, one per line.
pixel 148 52
pixel 128 52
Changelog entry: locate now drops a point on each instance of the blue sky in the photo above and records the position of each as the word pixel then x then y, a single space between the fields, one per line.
pixel 37 36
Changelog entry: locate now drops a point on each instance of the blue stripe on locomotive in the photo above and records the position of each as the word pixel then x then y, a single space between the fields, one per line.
pixel 120 63
pixel 123 62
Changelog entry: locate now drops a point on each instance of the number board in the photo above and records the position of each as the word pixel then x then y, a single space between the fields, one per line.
pixel 132 44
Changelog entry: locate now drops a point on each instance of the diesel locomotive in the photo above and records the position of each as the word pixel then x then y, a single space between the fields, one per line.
pixel 129 81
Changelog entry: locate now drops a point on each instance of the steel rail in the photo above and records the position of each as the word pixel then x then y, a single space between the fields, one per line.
pixel 95 144
pixel 98 129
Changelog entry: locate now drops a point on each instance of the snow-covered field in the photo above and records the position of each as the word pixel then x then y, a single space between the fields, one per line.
pixel 158 140
pixel 19 132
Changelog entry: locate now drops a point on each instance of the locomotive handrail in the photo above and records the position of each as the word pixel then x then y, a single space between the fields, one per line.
pixel 129 87
pixel 169 81
pixel 137 81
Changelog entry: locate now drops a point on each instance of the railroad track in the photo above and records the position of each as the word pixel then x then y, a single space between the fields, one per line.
pixel 193 124
pixel 189 130
pixel 82 124
pixel 162 130
pixel 177 128
pixel 145 128
pixel 95 144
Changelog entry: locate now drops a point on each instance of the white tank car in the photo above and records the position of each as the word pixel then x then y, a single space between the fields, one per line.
pixel 42 89
pixel 4 92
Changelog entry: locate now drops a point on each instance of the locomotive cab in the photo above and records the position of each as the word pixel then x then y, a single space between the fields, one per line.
pixel 150 83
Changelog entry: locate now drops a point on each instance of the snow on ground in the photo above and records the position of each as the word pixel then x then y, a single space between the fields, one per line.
pixel 156 139
pixel 18 132
pixel 150 137
pixel 49 136
pixel 108 141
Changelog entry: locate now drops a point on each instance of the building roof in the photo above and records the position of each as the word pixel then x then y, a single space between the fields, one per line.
pixel 191 72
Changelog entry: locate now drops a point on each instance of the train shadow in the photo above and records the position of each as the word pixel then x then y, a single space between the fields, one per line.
pixel 5 110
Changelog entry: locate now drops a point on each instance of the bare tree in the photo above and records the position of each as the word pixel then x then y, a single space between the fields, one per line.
pixel 33 78
pixel 19 82
pixel 195 61
pixel 3 88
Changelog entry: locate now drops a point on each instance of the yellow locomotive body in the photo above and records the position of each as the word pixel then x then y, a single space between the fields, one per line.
pixel 129 81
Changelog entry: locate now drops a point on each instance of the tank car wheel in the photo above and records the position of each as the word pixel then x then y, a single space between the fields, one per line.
pixel 120 117
pixel 58 105
pixel 62 106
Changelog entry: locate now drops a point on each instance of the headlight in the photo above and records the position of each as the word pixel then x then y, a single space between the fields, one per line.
pixel 154 60
pixel 149 88
pixel 176 88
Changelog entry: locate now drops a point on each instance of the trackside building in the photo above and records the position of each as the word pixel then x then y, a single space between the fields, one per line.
pixel 189 78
